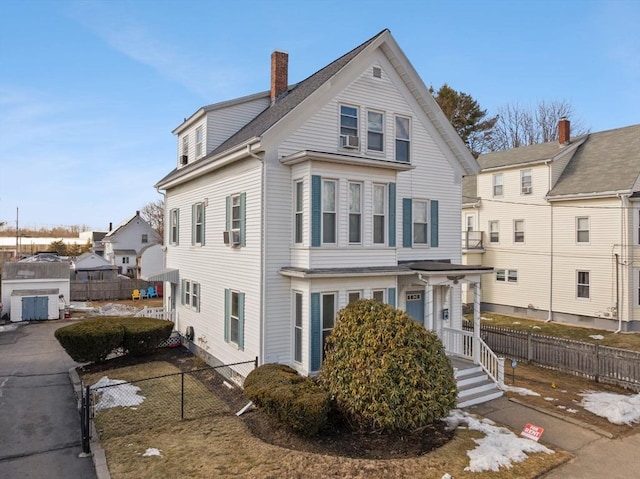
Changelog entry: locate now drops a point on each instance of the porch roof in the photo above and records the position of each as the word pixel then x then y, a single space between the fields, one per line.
pixel 402 268
pixel 171 275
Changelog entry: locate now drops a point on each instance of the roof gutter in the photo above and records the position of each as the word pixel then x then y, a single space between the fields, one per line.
pixel 595 194
pixel 207 165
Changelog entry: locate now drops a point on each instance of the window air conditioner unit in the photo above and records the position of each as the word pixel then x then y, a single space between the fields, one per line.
pixel 231 238
pixel 526 190
pixel 349 141
pixel 184 159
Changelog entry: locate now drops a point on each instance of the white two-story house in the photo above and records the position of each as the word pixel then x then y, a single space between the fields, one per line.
pixel 560 223
pixel 287 205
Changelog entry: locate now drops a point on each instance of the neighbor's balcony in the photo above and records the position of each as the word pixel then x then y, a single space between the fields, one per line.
pixel 472 240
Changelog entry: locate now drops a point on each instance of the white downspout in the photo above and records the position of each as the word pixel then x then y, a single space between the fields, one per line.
pixel 550 315
pixel 623 254
pixel 263 200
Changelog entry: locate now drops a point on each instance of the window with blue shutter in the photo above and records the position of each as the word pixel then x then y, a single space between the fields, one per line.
pixel 434 223
pixel 316 209
pixel 392 214
pixel 391 293
pixel 240 341
pixel 316 346
pixel 407 218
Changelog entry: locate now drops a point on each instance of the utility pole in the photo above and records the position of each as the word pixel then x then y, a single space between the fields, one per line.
pixel 17 235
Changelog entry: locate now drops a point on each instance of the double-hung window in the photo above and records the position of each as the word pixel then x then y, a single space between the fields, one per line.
pixel 125 260
pixel 378 295
pixel 297 327
pixel 497 184
pixel 355 213
pixel 328 315
pixel 518 231
pixel 494 232
pixel 353 296
pixel 379 210
pixel 375 131
pixel 329 211
pixel 525 182
pixel 582 229
pixel 507 275
pixel 234 318
pixel 420 222
pixel 235 219
pixel 403 139
pixel 199 145
pixel 185 145
pixel 174 220
pixel 299 205
pixel 235 213
pixel 348 126
pixel 191 294
pixel 145 238
pixel 198 224
pixel 582 290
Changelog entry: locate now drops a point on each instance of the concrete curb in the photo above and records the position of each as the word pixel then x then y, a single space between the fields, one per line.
pixel 565 418
pixel 97 453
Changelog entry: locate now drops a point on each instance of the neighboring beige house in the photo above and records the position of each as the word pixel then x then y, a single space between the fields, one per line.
pixel 560 223
pixel 284 206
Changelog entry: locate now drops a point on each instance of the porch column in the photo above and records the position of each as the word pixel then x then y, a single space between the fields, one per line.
pixel 476 322
pixel 428 307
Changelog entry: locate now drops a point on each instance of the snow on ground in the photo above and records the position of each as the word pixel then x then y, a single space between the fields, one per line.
pixel 521 391
pixel 152 451
pixel 499 448
pixel 113 309
pixel 115 392
pixel 596 336
pixel 8 327
pixel 616 408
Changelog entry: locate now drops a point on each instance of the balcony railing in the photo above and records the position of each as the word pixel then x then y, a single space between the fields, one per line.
pixel 472 240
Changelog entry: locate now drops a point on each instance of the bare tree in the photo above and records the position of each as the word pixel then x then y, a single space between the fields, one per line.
pixel 153 213
pixel 520 126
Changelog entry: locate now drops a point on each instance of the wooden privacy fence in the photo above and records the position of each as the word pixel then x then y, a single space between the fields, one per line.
pixel 106 290
pixel 600 363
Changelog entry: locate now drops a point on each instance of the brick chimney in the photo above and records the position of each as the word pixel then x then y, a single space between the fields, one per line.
pixel 564 131
pixel 279 74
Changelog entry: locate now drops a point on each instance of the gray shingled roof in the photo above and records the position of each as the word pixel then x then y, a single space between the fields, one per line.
pixel 607 161
pixel 275 112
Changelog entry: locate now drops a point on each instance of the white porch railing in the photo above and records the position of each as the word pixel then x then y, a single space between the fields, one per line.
pixel 468 346
pixel 157 313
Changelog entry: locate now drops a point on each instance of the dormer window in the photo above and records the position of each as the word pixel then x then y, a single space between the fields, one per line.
pixel 199 137
pixel 185 145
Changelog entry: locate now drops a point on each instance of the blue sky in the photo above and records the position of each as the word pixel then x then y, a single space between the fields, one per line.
pixel 91 90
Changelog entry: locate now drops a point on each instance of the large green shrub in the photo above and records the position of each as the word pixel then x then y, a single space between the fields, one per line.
pixel 295 401
pixel 385 371
pixel 91 340
pixel 94 339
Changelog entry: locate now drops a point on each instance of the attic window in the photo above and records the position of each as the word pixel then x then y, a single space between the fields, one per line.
pixel 377 72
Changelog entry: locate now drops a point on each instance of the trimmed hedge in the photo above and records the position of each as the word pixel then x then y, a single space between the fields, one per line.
pixel 295 401
pixel 385 371
pixel 94 339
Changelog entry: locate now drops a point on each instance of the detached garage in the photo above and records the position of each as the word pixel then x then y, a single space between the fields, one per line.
pixel 35 304
pixel 31 288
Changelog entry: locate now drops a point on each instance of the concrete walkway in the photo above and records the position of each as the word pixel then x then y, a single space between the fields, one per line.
pixel 597 456
pixel 39 421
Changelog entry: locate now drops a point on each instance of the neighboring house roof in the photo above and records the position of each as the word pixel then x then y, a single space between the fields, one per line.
pixel 98 235
pixel 121 226
pixel 609 161
pixel 299 92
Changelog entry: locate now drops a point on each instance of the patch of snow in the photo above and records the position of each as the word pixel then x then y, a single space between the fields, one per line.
pixel 596 336
pixel 116 392
pixel 486 319
pixel 616 408
pixel 536 327
pixel 572 410
pixel 550 399
pixel 152 451
pixel 8 327
pixel 112 309
pixel 447 476
pixel 560 406
pixel 521 391
pixel 516 322
pixel 499 448
pixel 563 390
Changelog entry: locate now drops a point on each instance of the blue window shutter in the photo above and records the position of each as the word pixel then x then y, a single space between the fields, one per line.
pixel 392 214
pixel 193 224
pixel 227 221
pixel 407 219
pixel 434 223
pixel 243 216
pixel 315 332
pixel 391 293
pixel 316 209
pixel 227 301
pixel 241 321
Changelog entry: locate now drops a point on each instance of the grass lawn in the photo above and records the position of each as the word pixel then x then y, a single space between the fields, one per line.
pixel 220 445
pixel 561 330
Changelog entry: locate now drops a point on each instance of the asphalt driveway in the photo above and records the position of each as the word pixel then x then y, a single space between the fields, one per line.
pixel 39 422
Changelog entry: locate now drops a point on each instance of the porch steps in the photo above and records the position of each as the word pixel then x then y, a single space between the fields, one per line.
pixel 475 387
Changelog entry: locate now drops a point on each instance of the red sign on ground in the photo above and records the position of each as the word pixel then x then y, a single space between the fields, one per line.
pixel 532 432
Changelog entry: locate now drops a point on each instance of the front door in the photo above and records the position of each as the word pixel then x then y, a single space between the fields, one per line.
pixel 415 305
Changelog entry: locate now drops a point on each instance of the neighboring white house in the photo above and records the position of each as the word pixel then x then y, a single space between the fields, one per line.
pixel 124 245
pixel 560 223
pixel 32 288
pixel 93 267
pixel 285 206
